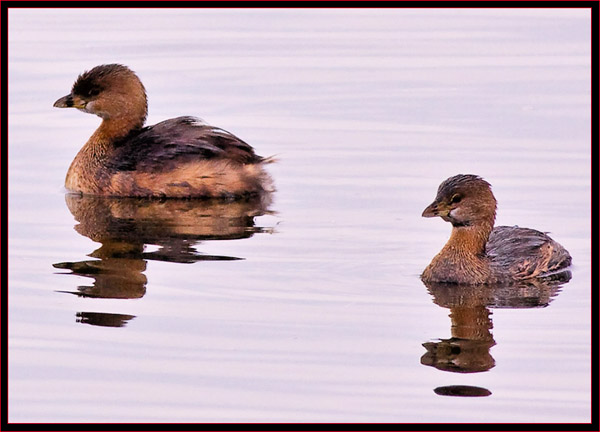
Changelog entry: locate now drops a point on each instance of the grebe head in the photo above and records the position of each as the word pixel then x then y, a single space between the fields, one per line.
pixel 464 200
pixel 111 92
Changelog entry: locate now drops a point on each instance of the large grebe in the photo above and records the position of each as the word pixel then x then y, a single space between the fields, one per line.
pixel 180 157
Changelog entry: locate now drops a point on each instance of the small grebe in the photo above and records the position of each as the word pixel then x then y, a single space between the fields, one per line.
pixel 180 157
pixel 478 253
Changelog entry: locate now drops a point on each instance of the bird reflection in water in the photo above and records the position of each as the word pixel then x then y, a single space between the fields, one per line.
pixel 468 348
pixel 104 319
pixel 125 226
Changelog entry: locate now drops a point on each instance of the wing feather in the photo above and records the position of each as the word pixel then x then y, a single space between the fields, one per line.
pixel 175 141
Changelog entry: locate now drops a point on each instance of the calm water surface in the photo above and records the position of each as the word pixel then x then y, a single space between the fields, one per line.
pixel 309 308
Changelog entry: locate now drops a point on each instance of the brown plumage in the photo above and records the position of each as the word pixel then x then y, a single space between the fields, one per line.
pixel 478 253
pixel 180 157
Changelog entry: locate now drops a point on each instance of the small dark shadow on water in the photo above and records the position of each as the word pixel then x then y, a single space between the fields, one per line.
pixel 462 390
pixel 103 319
pixel 467 350
pixel 125 227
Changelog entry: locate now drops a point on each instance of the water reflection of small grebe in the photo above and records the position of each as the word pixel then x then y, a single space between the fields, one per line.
pixel 468 348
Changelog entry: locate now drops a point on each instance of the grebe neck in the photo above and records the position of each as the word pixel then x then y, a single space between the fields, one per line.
pixel 469 239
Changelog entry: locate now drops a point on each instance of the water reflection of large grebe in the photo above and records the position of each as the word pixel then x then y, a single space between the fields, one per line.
pixel 125 226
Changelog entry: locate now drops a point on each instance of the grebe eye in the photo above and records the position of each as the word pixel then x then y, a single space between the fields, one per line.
pixel 93 92
pixel 455 199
